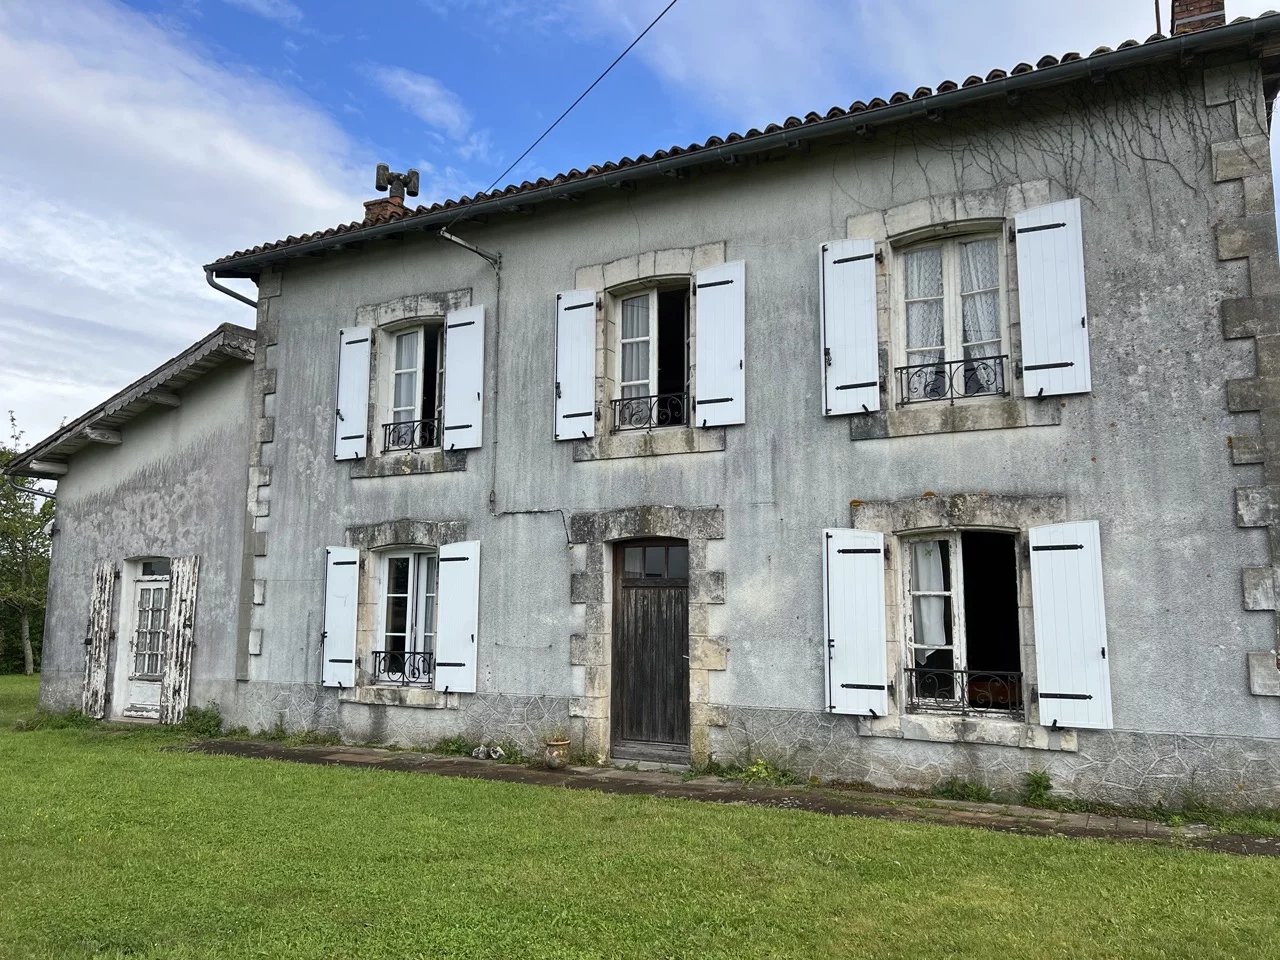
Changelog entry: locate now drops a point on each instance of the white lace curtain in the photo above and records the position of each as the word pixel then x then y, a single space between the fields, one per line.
pixel 928 612
pixel 980 298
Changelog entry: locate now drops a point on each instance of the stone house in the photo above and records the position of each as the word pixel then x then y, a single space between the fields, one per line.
pixel 935 436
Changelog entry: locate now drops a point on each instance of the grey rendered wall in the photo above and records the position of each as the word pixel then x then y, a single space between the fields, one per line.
pixel 1145 453
pixel 174 487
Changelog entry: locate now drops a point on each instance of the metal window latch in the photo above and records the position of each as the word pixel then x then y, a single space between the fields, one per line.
pixel 826 355
pixel 339 415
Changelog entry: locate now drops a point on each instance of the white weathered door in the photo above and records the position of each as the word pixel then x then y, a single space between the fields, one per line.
pixel 1073 679
pixel 141 652
pixel 856 634
pixel 850 342
pixel 575 389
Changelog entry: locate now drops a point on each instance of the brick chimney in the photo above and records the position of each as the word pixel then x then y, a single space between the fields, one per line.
pixel 382 209
pixel 1191 16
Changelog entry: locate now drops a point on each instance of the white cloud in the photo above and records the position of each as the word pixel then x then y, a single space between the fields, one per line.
pixel 426 98
pixel 281 11
pixel 130 159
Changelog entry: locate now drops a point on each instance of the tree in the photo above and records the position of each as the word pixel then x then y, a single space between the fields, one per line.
pixel 24 553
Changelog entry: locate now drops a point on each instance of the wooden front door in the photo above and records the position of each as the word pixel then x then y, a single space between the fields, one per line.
pixel 650 707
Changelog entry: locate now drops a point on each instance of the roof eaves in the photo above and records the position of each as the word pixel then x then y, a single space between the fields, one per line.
pixel 227 342
pixel 1048 71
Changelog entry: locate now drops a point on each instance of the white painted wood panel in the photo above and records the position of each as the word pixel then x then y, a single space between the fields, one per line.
pixel 458 617
pixel 351 410
pixel 463 378
pixel 341 593
pixel 1073 675
pixel 853 592
pixel 97 641
pixel 1051 300
pixel 720 332
pixel 575 390
pixel 850 342
pixel 179 646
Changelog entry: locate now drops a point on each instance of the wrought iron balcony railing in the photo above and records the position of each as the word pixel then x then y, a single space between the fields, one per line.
pixel 404 666
pixel 410 434
pixel 659 410
pixel 952 379
pixel 964 691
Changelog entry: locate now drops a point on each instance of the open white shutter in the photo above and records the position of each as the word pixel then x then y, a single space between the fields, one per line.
pixel 850 344
pixel 338 643
pixel 351 413
pixel 458 617
pixel 575 364
pixel 97 641
pixel 853 591
pixel 1073 680
pixel 175 679
pixel 1051 300
pixel 720 381
pixel 463 378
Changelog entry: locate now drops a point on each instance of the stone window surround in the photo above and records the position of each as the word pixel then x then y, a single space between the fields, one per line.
pixel 371 539
pixel 903 520
pixel 627 274
pixel 384 319
pixel 933 218
pixel 592 536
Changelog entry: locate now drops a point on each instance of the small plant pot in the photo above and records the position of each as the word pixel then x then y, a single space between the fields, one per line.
pixel 557 753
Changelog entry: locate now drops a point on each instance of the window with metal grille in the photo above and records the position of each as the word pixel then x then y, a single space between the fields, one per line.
pixel 653 359
pixel 408 618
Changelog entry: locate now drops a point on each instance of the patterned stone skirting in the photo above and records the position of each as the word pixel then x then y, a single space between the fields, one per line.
pixel 1110 765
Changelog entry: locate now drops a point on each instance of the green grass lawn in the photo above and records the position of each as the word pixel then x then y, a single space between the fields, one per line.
pixel 112 845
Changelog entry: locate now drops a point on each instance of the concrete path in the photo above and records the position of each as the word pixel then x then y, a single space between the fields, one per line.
pixel 838 802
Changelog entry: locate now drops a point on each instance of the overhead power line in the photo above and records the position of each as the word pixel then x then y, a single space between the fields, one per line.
pixel 582 96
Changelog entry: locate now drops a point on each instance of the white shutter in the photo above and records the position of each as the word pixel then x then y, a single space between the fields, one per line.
pixel 97 641
pixel 458 617
pixel 720 382
pixel 463 378
pixel 338 643
pixel 351 419
pixel 1051 300
pixel 179 648
pixel 850 342
pixel 1073 680
pixel 853 591
pixel 575 364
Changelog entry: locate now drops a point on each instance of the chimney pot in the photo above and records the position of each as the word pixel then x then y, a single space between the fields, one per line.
pixel 1192 16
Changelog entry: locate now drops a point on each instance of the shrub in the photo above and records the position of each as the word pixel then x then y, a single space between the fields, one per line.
pixel 953 788
pixel 204 722
pixel 1036 787
pixel 456 746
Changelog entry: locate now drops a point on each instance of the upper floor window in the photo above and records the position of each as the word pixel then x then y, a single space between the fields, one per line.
pixel 417 389
pixel 653 359
pixel 953 318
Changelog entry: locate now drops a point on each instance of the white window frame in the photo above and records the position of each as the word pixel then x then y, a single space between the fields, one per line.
pixel 959 636
pixel 418 637
pixel 423 329
pixel 953 344
pixel 651 290
pixel 150 583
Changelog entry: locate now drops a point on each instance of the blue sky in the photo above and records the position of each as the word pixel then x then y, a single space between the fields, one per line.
pixel 142 139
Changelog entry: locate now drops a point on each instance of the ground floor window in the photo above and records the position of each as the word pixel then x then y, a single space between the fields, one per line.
pixel 151 619
pixel 962 624
pixel 408 618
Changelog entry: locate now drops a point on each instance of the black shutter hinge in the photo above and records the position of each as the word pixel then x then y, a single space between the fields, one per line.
pixel 826 355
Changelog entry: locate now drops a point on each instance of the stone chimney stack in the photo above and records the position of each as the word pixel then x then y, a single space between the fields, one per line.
pixel 1191 16
pixel 397 185
pixel 382 209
